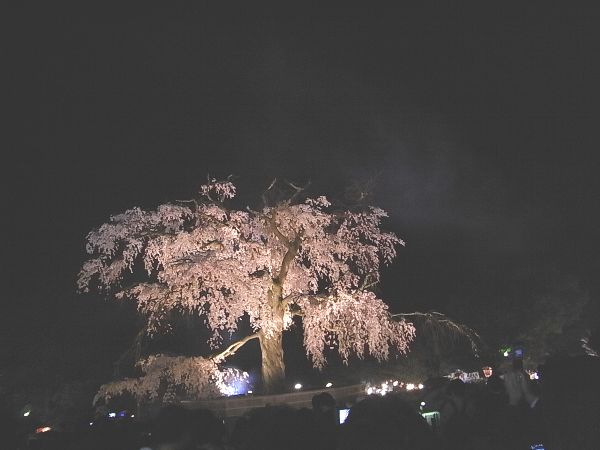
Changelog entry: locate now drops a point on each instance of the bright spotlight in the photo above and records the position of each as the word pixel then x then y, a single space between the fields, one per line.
pixel 26 413
pixel 329 384
pixel 297 386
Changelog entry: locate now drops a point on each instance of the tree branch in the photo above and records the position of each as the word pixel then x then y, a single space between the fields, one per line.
pixel 443 321
pixel 264 194
pixel 291 298
pixel 292 248
pixel 298 190
pixel 367 283
pixel 229 351
pixel 287 260
pixel 192 200
pixel 271 220
pixel 134 350
pixel 212 246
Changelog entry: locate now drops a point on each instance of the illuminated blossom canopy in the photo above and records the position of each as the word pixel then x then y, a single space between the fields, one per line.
pixel 291 258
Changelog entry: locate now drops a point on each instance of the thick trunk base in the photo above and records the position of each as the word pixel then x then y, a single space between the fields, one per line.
pixel 273 367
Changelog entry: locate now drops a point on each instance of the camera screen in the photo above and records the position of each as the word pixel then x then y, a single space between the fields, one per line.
pixel 344 414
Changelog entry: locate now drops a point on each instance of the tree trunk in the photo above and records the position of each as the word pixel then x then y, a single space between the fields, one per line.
pixel 273 367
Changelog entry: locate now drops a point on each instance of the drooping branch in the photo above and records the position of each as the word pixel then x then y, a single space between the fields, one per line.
pixel 360 322
pixel 134 351
pixel 439 321
pixel 198 376
pixel 587 346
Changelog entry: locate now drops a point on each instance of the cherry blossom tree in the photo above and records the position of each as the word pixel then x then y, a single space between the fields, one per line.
pixel 290 258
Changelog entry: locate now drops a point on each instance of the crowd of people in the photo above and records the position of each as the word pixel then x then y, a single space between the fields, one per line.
pixel 560 411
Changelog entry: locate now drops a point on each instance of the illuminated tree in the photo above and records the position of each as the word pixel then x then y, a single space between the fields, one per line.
pixel 290 258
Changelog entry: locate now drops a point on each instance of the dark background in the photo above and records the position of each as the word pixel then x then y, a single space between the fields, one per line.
pixel 476 129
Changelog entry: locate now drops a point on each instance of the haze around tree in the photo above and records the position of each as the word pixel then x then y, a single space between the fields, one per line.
pixel 294 260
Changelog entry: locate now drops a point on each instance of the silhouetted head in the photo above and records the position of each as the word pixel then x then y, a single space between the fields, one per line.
pixel 323 402
pixel 173 425
pixel 456 387
pixel 177 427
pixel 517 364
pixel 275 428
pixel 495 385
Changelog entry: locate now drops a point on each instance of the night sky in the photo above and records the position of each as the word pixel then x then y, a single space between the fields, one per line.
pixel 476 130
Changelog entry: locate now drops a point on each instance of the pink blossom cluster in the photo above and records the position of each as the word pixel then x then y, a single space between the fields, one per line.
pixel 197 376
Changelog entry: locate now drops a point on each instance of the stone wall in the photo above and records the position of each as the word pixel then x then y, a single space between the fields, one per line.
pixel 229 407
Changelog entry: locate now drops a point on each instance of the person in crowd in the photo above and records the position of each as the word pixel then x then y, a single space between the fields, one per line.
pixel 454 415
pixel 177 428
pixel 323 405
pixel 385 423
pixel 487 371
pixel 325 419
pixel 516 383
pixel 8 429
pixel 521 400
pixel 492 423
pixel 570 403
pixel 275 428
